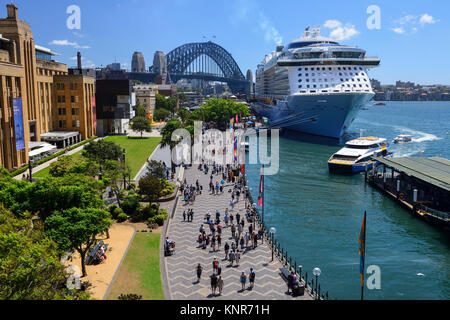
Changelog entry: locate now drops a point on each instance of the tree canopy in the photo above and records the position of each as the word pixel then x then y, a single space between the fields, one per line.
pixel 220 111
pixel 102 150
pixel 141 124
pixel 77 228
pixel 151 187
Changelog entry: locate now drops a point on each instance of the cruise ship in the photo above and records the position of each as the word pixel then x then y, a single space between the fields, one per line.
pixel 314 85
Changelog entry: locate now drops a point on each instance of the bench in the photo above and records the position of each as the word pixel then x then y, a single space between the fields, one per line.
pixel 301 288
pixel 92 256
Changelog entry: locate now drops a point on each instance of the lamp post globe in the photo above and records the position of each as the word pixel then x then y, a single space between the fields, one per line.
pixel 317 272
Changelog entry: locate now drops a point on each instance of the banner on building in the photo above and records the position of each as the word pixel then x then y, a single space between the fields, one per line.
pixel 18 124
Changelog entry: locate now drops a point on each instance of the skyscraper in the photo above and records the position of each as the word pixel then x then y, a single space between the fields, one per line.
pixel 137 62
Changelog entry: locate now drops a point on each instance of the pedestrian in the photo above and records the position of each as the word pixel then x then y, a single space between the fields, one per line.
pixel 213 284
pixel 243 280
pixel 199 269
pixel 237 257
pixel 256 240
pixel 232 257
pixel 227 248
pixel 219 270
pixel 232 204
pixel 215 264
pixel 290 281
pixel 251 278
pixel 233 230
pixel 227 218
pixel 250 228
pixel 220 284
pixel 213 243
pixel 238 217
pixel 184 215
pixel 242 241
pixel 219 240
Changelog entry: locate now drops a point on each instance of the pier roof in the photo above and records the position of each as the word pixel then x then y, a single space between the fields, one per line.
pixel 435 171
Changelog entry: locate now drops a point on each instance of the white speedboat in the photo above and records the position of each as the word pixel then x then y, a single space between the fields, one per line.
pixel 357 155
pixel 403 138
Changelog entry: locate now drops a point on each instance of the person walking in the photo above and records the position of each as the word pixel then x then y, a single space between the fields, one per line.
pixel 219 270
pixel 237 257
pixel 251 278
pixel 238 217
pixel 233 231
pixel 243 280
pixel 219 241
pixel 213 284
pixel 199 270
pixel 231 217
pixel 242 242
pixel 220 284
pixel 184 215
pixel 232 254
pixel 213 243
pixel 227 248
pixel 215 265
pixel 247 238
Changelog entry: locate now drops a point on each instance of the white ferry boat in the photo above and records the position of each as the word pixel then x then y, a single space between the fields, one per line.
pixel 357 154
pixel 315 85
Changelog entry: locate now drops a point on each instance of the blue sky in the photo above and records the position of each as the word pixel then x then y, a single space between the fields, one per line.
pixel 413 42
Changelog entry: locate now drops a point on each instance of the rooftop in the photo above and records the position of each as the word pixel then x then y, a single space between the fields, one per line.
pixel 435 171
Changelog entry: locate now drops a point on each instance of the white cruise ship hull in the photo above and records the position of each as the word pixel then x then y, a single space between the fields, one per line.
pixel 328 115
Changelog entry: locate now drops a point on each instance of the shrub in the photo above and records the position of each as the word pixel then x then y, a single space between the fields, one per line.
pixel 122 217
pixel 131 205
pixel 151 224
pixel 148 212
pixel 117 211
pixel 158 219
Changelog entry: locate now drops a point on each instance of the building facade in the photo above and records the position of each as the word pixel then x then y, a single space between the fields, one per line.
pixel 29 99
pixel 146 96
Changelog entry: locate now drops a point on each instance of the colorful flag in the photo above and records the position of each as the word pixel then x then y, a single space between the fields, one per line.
pixel 362 249
pixel 235 151
pixel 243 163
pixel 261 188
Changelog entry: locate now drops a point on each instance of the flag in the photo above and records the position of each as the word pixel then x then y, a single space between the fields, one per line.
pixel 237 118
pixel 362 249
pixel 261 189
pixel 243 163
pixel 235 152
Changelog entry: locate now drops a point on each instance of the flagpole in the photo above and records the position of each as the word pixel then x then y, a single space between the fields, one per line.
pixel 264 199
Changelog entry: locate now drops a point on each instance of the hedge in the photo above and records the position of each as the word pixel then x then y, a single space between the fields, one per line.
pixel 25 168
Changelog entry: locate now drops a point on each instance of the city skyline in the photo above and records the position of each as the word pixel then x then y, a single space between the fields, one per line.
pixel 242 25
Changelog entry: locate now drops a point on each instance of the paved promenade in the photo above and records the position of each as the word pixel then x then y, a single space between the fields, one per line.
pixel 180 268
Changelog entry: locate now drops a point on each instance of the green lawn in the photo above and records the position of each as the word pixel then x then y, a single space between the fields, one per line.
pixel 137 150
pixel 46 171
pixel 140 273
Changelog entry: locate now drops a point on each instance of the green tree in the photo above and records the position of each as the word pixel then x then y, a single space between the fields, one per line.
pixel 156 169
pixel 78 228
pixel 29 263
pixel 102 150
pixel 141 111
pixel 141 124
pixel 151 187
pixel 220 111
pixel 161 114
pixel 166 132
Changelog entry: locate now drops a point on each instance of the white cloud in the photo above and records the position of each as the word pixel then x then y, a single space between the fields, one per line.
pixel 63 43
pixel 426 18
pixel 68 43
pixel 410 24
pixel 271 34
pixel 398 30
pixel 331 24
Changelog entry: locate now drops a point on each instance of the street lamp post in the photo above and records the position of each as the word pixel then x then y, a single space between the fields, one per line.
pixel 30 168
pixel 272 233
pixel 124 168
pixel 317 273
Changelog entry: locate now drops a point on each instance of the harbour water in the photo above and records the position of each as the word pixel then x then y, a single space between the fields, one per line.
pixel 318 215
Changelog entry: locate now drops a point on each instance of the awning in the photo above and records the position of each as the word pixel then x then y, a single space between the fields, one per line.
pixel 45 148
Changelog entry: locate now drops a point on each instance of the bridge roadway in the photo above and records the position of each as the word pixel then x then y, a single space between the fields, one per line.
pixel 180 268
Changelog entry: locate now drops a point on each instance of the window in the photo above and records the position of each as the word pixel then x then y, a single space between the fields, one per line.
pixel 299 80
pixel 75 111
pixel 307 86
pixel 73 86
pixel 72 99
pixel 74 123
pixel 342 79
pixel 323 69
pixel 314 86
pixel 62 124
pixel 61 99
pixel 307 80
pixel 62 111
pixel 299 74
pixel 299 69
pixel 313 74
pixel 300 86
pixel 306 69
pixel 307 74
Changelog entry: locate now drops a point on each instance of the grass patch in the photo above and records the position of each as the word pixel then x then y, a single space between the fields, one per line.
pixel 140 273
pixel 137 150
pixel 46 171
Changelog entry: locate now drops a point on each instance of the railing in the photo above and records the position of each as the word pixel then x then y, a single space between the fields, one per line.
pixel 282 255
pixel 436 213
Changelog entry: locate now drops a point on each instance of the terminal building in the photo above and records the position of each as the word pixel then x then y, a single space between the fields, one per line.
pixel 31 104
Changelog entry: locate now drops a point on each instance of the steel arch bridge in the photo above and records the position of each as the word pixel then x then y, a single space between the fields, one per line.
pixel 189 61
